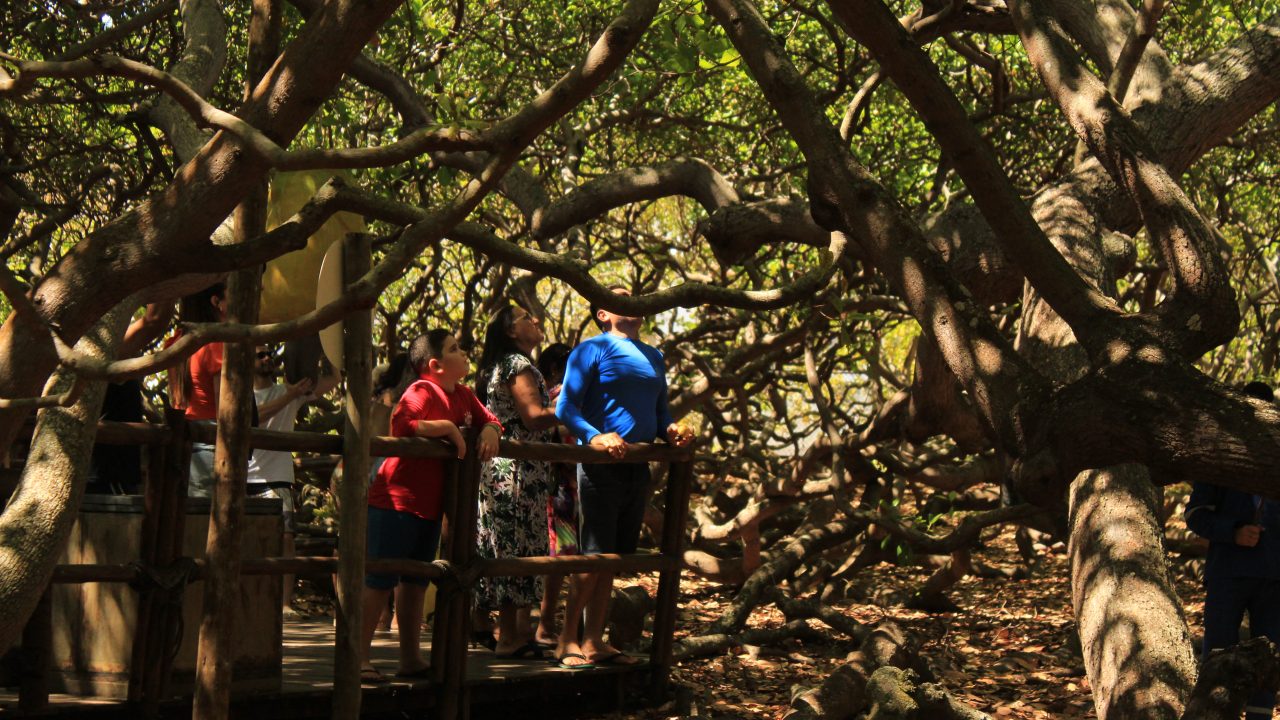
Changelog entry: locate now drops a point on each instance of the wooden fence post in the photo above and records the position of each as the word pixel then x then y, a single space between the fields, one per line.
pixel 171 470
pixel 357 353
pixel 664 618
pixel 230 470
pixel 453 620
pixel 445 589
pixel 142 662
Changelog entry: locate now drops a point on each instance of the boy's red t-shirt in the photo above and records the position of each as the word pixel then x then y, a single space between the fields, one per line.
pixel 205 364
pixel 416 485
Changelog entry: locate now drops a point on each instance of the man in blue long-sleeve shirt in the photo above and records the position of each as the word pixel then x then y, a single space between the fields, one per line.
pixel 614 393
pixel 1242 572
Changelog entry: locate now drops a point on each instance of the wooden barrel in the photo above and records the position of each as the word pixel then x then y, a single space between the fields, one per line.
pixel 94 623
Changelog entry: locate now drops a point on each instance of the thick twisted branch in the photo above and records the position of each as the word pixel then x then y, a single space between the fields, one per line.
pixel 1201 312
pixel 845 196
pixel 1083 307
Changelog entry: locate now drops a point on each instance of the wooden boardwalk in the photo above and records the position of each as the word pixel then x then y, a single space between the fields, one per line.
pixel 492 684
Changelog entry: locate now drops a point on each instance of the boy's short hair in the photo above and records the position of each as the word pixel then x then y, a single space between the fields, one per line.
pixel 597 307
pixel 426 347
pixel 1258 389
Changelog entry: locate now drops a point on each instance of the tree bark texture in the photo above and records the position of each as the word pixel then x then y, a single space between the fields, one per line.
pixel 235 416
pixel 231 463
pixel 357 365
pixel 1133 634
pixel 38 517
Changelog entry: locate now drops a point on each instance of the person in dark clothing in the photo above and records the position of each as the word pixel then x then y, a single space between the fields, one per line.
pixel 1242 572
pixel 117 469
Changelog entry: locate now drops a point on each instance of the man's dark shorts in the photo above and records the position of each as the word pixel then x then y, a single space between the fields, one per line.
pixel 611 501
pixel 398 536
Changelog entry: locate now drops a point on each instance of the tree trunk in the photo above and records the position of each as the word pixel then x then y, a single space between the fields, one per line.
pixel 1137 650
pixel 38 518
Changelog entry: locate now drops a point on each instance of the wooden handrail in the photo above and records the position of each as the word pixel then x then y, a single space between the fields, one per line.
pixel 319 566
pixel 455 574
pixel 121 433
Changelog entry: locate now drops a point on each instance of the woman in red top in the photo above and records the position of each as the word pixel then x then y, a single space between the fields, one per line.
pixel 405 499
pixel 198 383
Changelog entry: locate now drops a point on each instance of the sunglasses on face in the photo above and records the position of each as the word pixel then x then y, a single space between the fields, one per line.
pixel 264 355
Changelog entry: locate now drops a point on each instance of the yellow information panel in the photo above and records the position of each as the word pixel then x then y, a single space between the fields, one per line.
pixel 289 281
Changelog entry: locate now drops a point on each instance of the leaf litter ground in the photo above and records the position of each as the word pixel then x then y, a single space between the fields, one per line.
pixel 1011 650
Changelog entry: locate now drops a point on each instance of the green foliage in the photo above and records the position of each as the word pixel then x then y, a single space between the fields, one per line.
pixel 683 93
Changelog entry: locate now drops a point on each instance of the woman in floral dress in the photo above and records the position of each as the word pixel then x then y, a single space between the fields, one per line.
pixel 514 493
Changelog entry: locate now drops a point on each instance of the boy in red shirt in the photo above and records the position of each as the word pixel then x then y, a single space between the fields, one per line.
pixel 405 499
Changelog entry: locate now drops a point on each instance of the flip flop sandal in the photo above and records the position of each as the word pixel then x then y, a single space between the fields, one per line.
pixel 527 651
pixel 371 676
pixel 560 662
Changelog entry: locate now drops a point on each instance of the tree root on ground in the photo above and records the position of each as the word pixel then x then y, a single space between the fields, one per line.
pixel 1228 677
pixel 873 681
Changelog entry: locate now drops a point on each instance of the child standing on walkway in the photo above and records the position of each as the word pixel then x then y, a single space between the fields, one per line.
pixel 406 497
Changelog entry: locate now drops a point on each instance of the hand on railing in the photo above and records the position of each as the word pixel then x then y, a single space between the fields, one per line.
pixel 455 436
pixel 612 443
pixel 679 434
pixel 487 446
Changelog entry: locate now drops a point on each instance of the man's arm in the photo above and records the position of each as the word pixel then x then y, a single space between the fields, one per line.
pixel 665 421
pixel 155 318
pixel 269 409
pixel 579 374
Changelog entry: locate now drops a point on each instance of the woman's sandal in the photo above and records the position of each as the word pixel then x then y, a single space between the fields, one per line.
pixel 371 676
pixel 560 662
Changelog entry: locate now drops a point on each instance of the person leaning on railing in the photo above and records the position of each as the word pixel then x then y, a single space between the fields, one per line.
pixel 270 472
pixel 513 493
pixel 406 500
pixel 614 393
pixel 194 384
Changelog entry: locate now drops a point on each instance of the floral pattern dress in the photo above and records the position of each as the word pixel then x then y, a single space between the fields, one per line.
pixel 513 494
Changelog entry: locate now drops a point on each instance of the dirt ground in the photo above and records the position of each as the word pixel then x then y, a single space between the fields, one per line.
pixel 1010 651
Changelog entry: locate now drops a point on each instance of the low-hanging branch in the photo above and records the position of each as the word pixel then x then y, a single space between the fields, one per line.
pixel 615 43
pixel 691 177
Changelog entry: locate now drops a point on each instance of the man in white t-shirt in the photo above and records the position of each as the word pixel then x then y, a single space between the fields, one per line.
pixel 271 471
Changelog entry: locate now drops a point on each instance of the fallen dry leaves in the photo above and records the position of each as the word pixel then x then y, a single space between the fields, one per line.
pixel 1010 651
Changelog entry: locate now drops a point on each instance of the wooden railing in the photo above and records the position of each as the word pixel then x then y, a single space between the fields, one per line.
pixel 454 574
